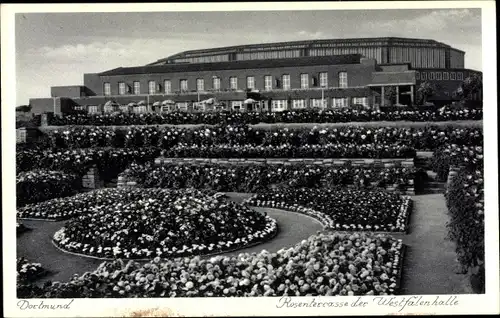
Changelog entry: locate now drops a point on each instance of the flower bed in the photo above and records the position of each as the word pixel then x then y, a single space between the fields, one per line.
pixel 144 223
pixel 109 161
pixel 253 178
pixel 427 138
pixel 342 209
pixel 290 151
pixel 40 185
pixel 456 155
pixel 465 201
pixel 28 272
pixel 326 264
pixel 306 116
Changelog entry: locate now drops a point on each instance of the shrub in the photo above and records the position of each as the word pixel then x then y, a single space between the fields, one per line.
pixel 465 201
pixel 40 185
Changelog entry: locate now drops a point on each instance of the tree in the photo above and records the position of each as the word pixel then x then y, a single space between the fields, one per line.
pixel 470 86
pixel 424 91
pixel 23 108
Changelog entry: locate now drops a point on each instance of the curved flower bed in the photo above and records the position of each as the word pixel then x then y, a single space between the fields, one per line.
pixel 426 138
pixel 326 264
pixel 306 116
pixel 28 272
pixel 342 209
pixel 144 223
pixel 253 178
pixel 40 185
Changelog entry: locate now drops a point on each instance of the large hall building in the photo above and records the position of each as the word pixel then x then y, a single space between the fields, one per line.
pixel 368 72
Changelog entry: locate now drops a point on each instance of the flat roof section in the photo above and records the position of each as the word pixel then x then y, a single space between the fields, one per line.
pixel 234 65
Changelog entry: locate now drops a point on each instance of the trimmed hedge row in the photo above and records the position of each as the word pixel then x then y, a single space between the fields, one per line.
pixel 299 116
pixel 41 185
pixel 465 201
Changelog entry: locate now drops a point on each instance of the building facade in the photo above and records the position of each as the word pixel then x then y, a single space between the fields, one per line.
pixel 319 76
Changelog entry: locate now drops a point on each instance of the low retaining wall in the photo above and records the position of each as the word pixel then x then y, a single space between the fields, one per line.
pixel 404 162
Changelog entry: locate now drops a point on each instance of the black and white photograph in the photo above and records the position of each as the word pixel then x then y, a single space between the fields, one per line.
pixel 250 159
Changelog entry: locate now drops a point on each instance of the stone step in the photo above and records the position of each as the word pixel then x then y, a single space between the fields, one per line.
pixel 436 185
pixel 424 154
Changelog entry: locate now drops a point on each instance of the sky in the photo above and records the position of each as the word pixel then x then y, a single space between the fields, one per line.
pixel 55 49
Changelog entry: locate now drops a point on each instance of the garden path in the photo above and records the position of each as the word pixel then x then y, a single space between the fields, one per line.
pixel 430 258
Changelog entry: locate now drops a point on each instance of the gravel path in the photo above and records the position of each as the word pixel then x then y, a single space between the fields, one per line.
pixel 430 258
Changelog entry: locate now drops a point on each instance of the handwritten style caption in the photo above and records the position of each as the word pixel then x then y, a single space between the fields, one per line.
pixel 399 303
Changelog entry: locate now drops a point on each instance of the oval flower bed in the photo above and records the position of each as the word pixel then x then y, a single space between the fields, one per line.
pixel 326 264
pixel 342 209
pixel 144 223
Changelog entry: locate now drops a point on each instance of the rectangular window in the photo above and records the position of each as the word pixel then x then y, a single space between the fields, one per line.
pixel 93 109
pixel 424 76
pixel 323 79
pixel 460 76
pixel 268 82
pixel 183 106
pixel 360 101
pixel 167 86
pixel 107 89
pixel 439 76
pixel 343 79
pixel 200 84
pixel 417 75
pixel 278 105
pixel 216 83
pixel 285 79
pixel 137 88
pixel 298 104
pixel 121 88
pixel 319 103
pixel 233 82
pixel 453 76
pixel 304 81
pixel 251 82
pixel 446 76
pixel 339 102
pixel 140 109
pixel 184 85
pixel 236 105
pixel 431 75
pixel 152 87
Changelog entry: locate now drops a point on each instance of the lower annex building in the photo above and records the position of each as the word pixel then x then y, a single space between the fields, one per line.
pixel 311 77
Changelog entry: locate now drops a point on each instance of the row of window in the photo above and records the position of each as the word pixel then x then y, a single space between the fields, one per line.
pixel 276 105
pixel 282 83
pixel 445 76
